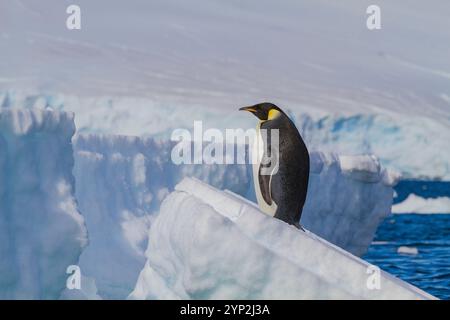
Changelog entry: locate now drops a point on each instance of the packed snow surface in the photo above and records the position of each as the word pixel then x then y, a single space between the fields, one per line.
pixel 211 244
pixel 417 204
pixel 41 229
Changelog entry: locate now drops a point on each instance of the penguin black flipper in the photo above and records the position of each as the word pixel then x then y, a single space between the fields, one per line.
pixel 269 164
pixel 264 186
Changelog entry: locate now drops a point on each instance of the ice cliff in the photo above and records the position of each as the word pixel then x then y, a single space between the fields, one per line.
pixel 41 230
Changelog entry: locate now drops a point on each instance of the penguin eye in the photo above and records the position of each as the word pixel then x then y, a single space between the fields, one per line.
pixel 273 113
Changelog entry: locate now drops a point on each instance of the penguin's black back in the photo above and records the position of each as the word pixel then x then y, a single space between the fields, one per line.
pixel 288 187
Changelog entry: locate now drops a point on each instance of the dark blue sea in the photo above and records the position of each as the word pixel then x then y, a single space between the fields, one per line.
pixel 429 269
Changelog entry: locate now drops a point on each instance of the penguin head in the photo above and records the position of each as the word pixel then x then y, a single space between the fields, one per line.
pixel 264 111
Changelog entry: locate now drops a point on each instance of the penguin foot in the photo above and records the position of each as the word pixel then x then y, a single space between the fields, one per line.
pixel 298 226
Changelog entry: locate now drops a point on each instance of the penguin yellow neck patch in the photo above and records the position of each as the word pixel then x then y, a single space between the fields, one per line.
pixel 273 113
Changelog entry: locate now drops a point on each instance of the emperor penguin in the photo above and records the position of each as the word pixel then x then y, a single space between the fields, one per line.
pixel 280 166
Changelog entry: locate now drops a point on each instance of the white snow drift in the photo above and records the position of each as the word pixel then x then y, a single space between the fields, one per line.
pixel 41 229
pixel 416 204
pixel 209 244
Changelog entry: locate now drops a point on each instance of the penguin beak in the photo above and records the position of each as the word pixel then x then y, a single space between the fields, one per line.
pixel 249 109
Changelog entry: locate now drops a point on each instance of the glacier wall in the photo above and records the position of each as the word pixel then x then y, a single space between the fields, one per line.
pixel 210 244
pixel 41 229
pixel 122 180
pixel 416 147
pixel 412 144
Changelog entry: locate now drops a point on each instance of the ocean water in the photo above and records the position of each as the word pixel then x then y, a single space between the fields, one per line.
pixel 429 268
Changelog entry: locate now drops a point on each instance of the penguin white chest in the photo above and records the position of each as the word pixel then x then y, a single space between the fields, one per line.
pixel 258 150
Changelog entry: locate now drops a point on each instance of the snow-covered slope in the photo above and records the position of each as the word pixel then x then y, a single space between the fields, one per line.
pixel 121 182
pixel 209 244
pixel 41 229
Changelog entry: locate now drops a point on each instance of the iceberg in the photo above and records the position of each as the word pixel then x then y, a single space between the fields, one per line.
pixel 211 244
pixel 122 185
pixel 41 229
pixel 408 250
pixel 396 140
pixel 417 204
pixel 348 221
pixel 121 182
pixel 341 105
